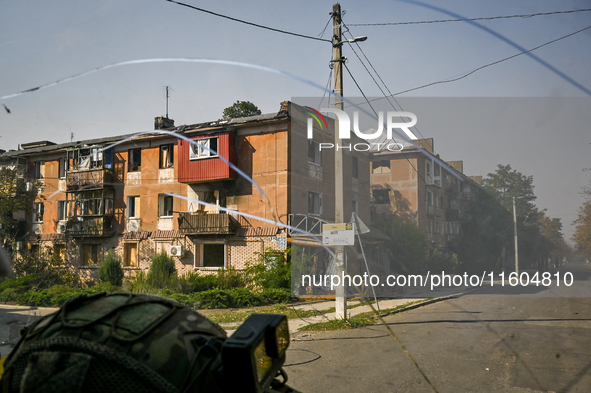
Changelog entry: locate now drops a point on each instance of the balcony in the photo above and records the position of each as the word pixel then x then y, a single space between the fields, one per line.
pixel 92 179
pixel 81 226
pixel 206 224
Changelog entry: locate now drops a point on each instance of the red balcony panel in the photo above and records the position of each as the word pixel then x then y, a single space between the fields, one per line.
pixel 208 168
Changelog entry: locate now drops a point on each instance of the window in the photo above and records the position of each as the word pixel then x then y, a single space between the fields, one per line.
pixel 91 203
pixel 39 170
pixel 59 251
pixel 166 156
pixel 355 207
pixel 164 206
pixel 430 209
pixel 62 168
pixel 381 197
pixel 92 254
pixel 133 207
pixel 381 166
pixel 207 147
pixel 355 168
pixel 314 153
pixel 428 172
pixel 314 203
pixel 211 255
pixel 38 210
pixel 130 255
pixel 135 160
pixel 61 210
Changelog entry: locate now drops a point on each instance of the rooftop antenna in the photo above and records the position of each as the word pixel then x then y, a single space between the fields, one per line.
pixel 71 137
pixel 167 102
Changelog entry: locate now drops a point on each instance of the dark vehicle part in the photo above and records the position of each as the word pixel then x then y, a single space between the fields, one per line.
pixel 142 343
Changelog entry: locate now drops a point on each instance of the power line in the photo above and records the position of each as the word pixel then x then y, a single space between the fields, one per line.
pixel 247 23
pixel 487 65
pixel 374 111
pixel 462 20
pixel 378 75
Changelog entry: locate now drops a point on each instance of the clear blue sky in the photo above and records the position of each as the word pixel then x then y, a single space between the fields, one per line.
pixel 43 41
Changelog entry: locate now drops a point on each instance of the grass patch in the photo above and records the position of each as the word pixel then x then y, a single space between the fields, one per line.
pixel 354 322
pixel 357 321
pixel 233 316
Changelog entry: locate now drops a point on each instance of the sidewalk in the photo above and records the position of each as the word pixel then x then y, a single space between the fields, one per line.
pixel 409 296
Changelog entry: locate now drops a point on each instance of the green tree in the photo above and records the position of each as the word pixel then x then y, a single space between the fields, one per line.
pixel 162 271
pixel 409 246
pixel 111 270
pixel 14 197
pixel 240 109
pixel 582 235
pixel 504 184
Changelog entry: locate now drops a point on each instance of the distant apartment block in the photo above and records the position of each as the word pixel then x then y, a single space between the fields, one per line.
pixel 419 186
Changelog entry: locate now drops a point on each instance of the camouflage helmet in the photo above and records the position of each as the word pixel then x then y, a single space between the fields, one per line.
pixel 117 343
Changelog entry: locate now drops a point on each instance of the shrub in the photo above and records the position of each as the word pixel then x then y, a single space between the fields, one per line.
pixel 139 283
pixel 276 295
pixel 111 270
pixel 229 278
pixel 242 297
pixel 59 294
pixel 162 273
pixel 46 268
pixel 214 298
pixel 269 269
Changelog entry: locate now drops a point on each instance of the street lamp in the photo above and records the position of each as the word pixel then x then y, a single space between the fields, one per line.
pixel 351 40
pixel 515 234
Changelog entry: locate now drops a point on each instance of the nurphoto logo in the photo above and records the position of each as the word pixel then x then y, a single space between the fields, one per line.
pixel 345 129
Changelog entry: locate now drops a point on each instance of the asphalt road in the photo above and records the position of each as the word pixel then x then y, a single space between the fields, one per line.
pixel 499 339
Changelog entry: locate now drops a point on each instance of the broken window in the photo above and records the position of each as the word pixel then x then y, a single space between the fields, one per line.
pixel 135 160
pixel 166 156
pixel 206 147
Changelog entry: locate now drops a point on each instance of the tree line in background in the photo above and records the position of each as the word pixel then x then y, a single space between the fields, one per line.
pixel 486 240
pixel 582 235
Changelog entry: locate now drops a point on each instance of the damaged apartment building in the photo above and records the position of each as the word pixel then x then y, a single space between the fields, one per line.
pixel 138 195
pixel 419 187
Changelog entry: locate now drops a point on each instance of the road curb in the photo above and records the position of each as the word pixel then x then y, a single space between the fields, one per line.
pixel 428 302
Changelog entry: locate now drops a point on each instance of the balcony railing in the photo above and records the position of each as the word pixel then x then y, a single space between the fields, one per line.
pixel 97 178
pixel 206 223
pixel 101 226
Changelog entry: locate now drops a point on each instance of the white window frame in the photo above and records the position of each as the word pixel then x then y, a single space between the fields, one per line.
pixel 197 152
pixel 133 213
pixel 38 211
pixel 161 207
pixel 199 251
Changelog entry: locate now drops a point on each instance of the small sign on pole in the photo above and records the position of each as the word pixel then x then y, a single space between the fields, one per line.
pixel 339 234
